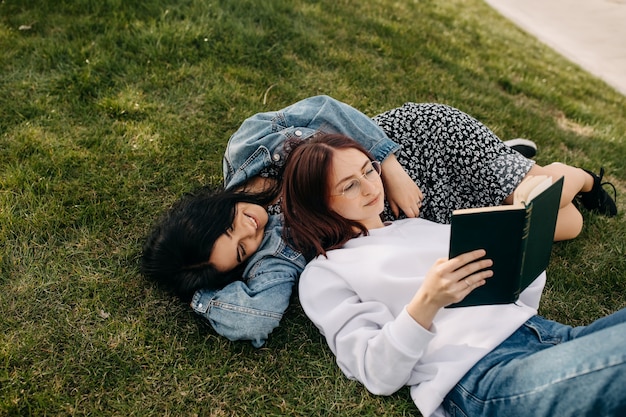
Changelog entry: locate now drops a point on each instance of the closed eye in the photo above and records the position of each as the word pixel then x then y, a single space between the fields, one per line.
pixel 241 253
pixel 350 185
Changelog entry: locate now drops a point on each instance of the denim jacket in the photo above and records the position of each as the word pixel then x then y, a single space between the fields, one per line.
pixel 252 308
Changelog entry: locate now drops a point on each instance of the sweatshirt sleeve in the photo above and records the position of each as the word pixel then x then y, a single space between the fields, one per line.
pixel 371 344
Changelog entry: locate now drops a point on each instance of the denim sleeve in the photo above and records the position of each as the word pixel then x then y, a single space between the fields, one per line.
pixel 248 310
pixel 259 141
pixel 328 114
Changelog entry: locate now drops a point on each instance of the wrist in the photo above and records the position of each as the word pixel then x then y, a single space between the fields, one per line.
pixel 390 162
pixel 423 309
pixel 391 168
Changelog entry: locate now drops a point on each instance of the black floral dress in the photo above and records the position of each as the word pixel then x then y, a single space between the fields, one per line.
pixel 455 160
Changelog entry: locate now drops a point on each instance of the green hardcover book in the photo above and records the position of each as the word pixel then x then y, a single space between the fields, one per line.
pixel 518 238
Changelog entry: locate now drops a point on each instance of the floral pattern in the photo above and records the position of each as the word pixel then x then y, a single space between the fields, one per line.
pixel 455 160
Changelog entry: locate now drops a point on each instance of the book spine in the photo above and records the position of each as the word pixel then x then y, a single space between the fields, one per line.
pixel 525 233
pixel 529 211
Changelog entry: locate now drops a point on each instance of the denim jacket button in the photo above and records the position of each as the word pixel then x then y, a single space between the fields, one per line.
pixel 276 157
pixel 298 133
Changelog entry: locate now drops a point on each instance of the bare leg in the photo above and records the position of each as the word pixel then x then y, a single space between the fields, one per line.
pixel 570 221
pixel 576 180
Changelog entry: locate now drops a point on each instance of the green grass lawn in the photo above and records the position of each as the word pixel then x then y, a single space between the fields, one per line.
pixel 110 109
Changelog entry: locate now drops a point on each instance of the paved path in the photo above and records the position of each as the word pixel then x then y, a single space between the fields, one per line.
pixel 590 33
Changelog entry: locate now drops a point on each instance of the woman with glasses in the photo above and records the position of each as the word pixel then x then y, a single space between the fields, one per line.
pixel 222 250
pixel 377 291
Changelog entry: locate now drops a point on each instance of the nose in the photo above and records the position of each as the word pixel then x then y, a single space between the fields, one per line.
pixel 368 186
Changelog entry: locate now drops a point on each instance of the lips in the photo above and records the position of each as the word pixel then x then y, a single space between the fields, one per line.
pixel 374 201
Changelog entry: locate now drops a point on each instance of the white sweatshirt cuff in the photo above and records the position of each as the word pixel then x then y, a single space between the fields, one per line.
pixel 409 335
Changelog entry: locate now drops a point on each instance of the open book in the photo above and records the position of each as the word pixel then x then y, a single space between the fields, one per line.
pixel 518 238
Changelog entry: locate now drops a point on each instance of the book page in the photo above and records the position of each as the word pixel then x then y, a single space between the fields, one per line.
pixel 503 207
pixel 539 188
pixel 530 188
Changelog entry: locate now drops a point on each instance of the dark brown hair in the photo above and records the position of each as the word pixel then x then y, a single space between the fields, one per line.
pixel 312 227
pixel 176 251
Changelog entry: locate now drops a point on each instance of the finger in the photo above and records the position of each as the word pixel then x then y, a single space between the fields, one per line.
pixel 455 271
pixel 394 209
pixel 474 268
pixel 466 258
pixel 412 212
pixel 476 280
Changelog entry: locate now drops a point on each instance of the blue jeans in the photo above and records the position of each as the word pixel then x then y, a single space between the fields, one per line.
pixel 549 369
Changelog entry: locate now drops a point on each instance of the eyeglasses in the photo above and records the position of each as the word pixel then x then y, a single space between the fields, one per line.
pixel 353 187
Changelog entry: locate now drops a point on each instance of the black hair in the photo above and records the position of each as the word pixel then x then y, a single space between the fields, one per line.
pixel 177 251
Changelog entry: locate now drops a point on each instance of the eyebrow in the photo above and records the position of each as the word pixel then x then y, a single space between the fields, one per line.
pixel 352 175
pixel 227 233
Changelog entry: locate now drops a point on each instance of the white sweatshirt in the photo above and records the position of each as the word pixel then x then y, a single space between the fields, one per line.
pixel 357 297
